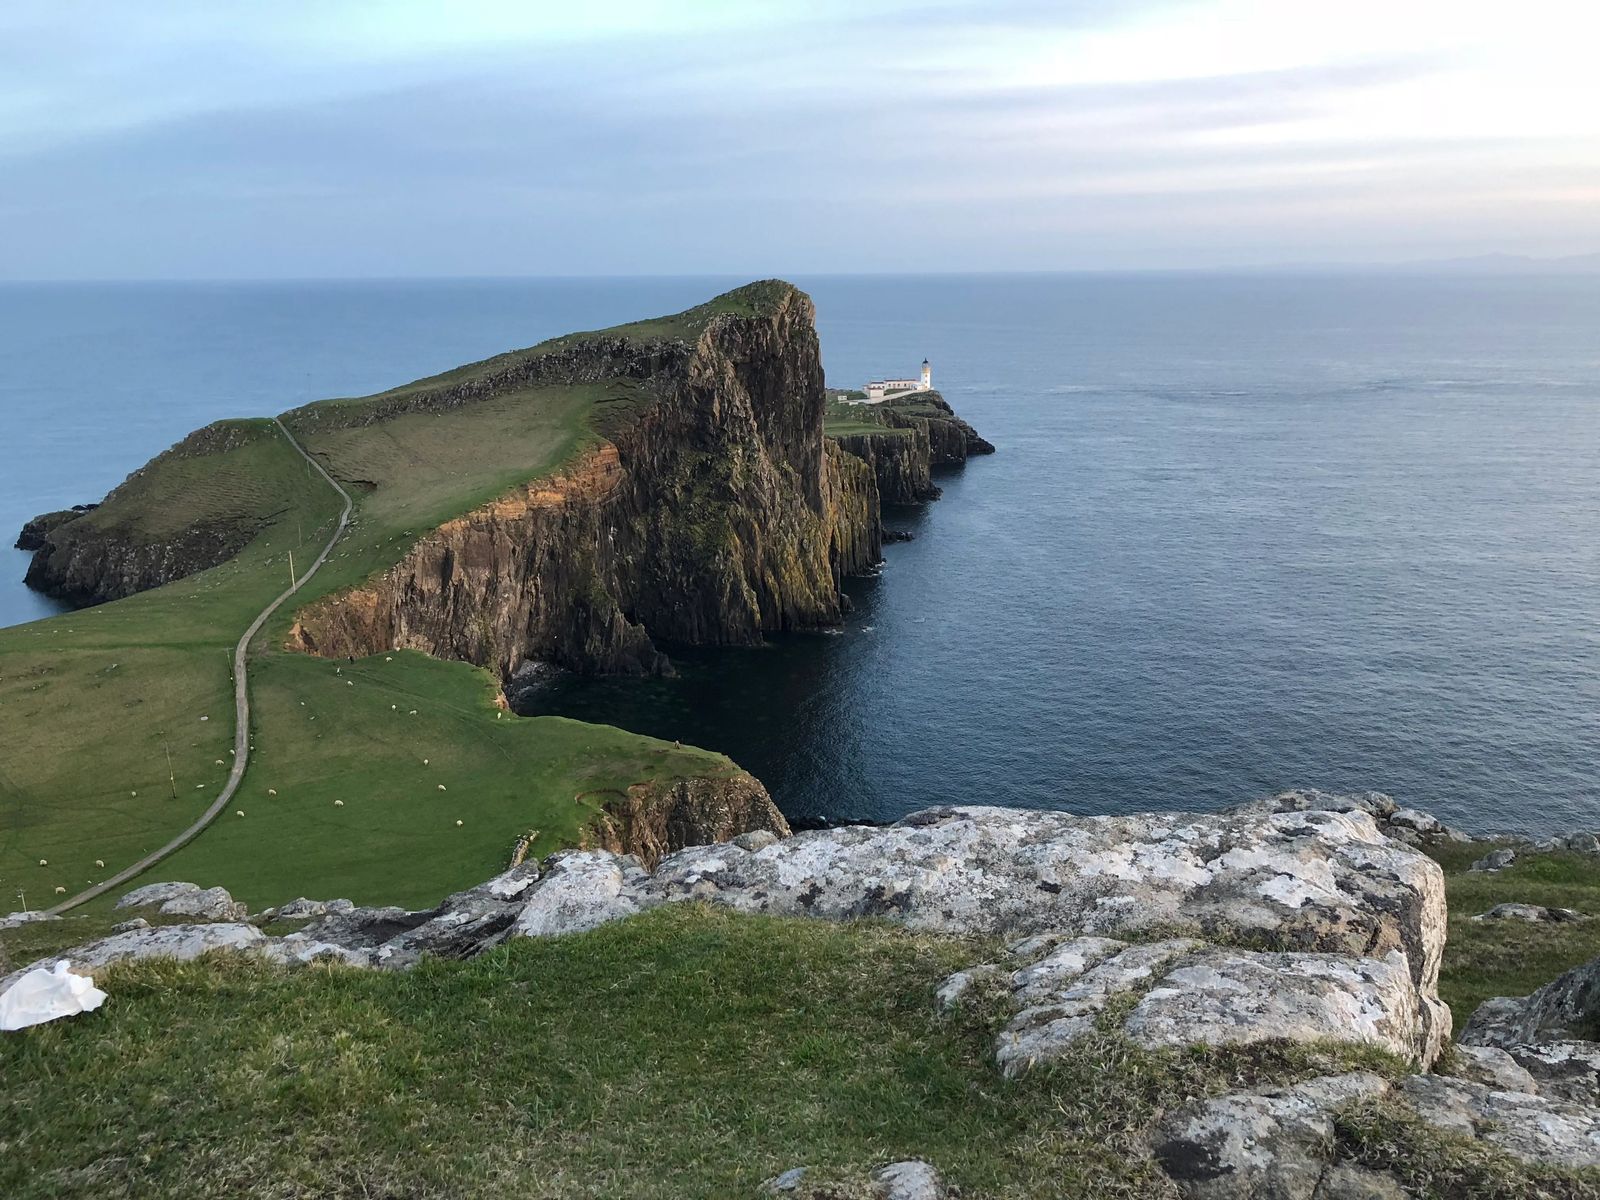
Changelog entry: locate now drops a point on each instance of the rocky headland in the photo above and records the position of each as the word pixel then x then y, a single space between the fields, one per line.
pixel 709 509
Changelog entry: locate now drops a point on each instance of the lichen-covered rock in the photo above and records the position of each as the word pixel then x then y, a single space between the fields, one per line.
pixel 1532 1128
pixel 912 1179
pixel 1492 1067
pixel 1534 913
pixel 1190 993
pixel 467 923
pixel 1324 882
pixel 302 909
pixel 582 890
pixel 18 919
pixel 1265 1144
pixel 1561 1070
pixel 186 900
pixel 1495 860
pixel 1565 1009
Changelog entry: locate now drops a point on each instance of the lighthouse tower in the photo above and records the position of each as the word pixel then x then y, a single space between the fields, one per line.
pixel 927 377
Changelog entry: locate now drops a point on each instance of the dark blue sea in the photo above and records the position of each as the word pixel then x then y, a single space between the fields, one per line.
pixel 1242 533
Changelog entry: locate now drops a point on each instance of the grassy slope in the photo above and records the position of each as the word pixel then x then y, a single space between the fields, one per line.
pixel 1512 958
pixel 686 1053
pixel 843 419
pixel 83 742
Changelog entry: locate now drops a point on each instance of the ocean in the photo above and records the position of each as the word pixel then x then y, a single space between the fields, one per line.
pixel 1241 533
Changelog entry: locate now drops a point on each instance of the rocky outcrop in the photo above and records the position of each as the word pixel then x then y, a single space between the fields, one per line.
pixel 1565 1009
pixel 711 514
pixel 186 900
pixel 951 440
pixel 35 532
pixel 901 462
pixel 656 818
pixel 1183 992
pixel 135 540
pixel 178 943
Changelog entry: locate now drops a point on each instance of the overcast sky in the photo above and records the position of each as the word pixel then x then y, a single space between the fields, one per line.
pixel 332 138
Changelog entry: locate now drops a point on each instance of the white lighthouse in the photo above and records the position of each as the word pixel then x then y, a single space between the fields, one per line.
pixel 880 388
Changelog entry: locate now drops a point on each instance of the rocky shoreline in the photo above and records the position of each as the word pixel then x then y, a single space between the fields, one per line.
pixel 1305 919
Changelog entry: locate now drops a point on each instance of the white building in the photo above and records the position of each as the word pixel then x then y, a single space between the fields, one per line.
pixel 879 388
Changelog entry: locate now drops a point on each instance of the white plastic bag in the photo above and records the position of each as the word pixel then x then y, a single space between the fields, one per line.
pixel 41 996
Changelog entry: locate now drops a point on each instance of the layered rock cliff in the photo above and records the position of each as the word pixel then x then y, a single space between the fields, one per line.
pixel 901 462
pixel 655 819
pixel 951 440
pixel 709 512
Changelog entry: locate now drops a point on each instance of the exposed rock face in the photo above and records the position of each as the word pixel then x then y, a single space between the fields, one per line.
pixel 901 462
pixel 951 440
pixel 711 515
pixel 1272 1142
pixel 1565 1009
pixel 657 818
pixel 1322 882
pixel 35 532
pixel 186 900
pixel 1533 1128
pixel 181 943
pixel 1533 913
pixel 95 553
pixel 1191 993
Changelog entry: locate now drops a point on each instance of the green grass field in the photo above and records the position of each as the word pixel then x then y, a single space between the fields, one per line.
pixel 842 419
pixel 116 721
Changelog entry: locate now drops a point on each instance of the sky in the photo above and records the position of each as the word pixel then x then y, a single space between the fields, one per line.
pixel 344 138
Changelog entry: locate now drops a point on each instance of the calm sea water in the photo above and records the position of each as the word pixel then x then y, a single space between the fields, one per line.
pixel 1241 534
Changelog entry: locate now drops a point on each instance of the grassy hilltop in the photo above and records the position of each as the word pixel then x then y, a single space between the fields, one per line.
pixel 116 721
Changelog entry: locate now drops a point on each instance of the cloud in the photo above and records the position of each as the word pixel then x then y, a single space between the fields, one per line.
pixel 325 139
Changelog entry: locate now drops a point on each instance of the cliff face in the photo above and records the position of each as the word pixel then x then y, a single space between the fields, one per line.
pixel 711 513
pixel 654 820
pixel 951 440
pixel 901 460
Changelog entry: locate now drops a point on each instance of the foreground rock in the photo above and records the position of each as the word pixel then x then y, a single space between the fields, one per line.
pixel 1188 992
pixel 186 900
pixel 1551 1034
pixel 1346 927
pixel 179 943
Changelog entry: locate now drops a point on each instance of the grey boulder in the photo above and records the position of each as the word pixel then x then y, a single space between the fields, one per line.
pixel 186 900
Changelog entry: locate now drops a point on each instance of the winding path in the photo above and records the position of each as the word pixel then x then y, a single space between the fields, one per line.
pixel 241 706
